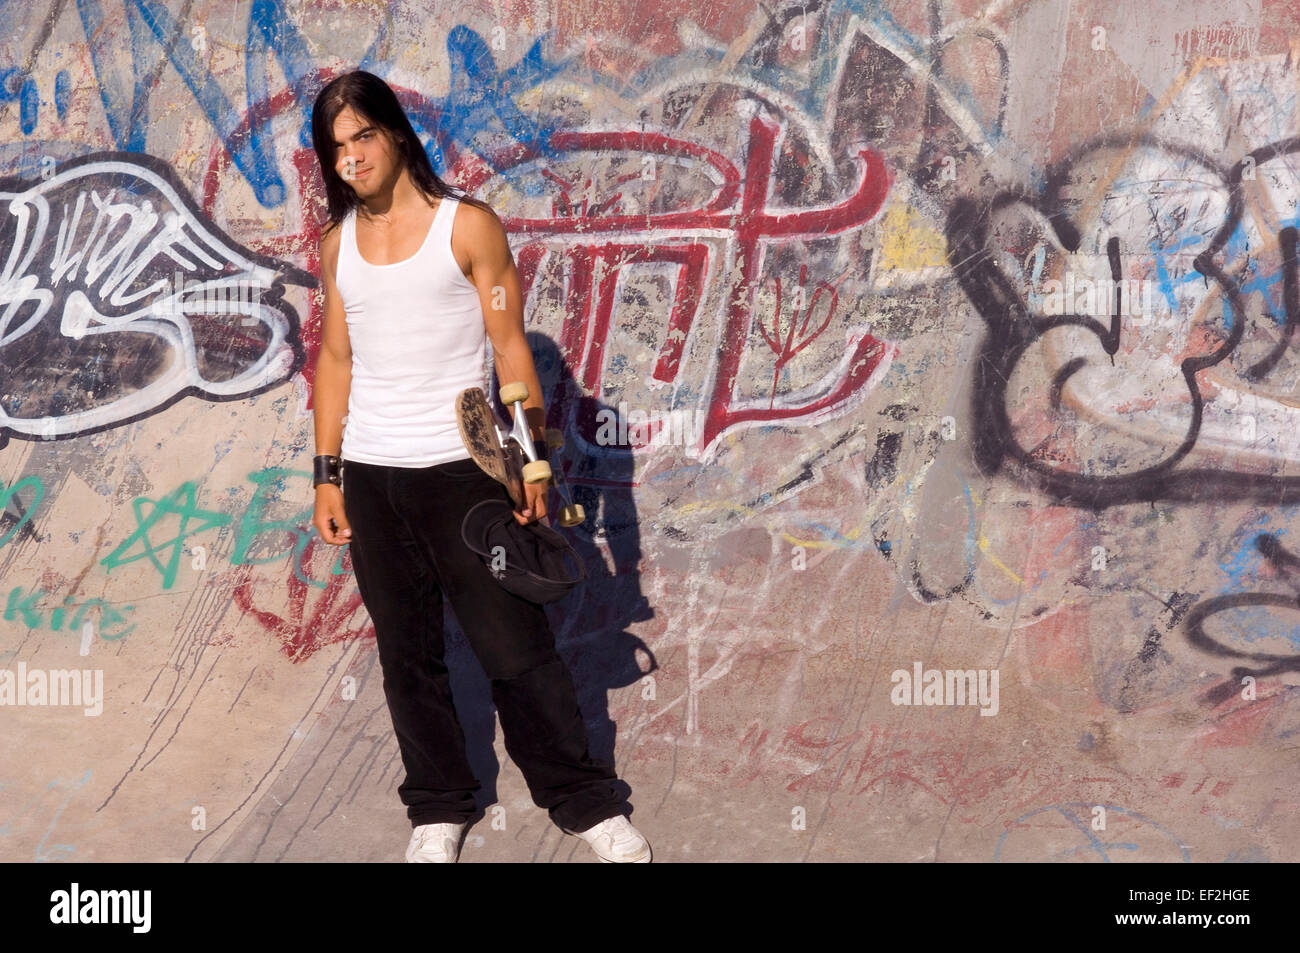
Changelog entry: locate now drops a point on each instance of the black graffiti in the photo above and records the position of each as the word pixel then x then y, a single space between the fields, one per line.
pixel 119 297
pixel 1290 303
pixel 1285 562
pixel 1011 329
pixel 1152 657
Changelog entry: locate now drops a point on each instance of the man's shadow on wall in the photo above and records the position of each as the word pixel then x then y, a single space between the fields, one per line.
pixel 590 623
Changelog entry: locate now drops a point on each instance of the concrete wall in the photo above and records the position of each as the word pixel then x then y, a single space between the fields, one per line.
pixel 848 271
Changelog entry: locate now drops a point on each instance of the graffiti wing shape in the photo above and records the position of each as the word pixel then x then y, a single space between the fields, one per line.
pixel 118 297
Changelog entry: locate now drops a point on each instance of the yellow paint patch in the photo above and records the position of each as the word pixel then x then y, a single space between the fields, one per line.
pixel 909 243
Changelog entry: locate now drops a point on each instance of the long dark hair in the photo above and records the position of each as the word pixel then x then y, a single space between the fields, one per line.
pixel 374 101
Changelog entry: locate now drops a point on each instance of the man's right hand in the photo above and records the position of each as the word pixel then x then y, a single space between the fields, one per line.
pixel 329 518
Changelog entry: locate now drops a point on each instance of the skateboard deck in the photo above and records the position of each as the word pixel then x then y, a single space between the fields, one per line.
pixel 481 432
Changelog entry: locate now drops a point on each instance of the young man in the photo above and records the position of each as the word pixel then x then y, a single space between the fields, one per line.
pixel 416 280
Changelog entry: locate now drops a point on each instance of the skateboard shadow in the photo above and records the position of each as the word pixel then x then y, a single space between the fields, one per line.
pixel 590 624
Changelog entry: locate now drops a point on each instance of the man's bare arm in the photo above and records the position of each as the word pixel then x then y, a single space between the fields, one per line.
pixel 333 380
pixel 330 390
pixel 492 272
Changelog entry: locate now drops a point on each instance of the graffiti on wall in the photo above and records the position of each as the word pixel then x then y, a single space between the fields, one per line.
pixel 120 298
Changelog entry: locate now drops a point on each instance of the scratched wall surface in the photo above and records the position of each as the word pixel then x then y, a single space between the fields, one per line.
pixel 937 337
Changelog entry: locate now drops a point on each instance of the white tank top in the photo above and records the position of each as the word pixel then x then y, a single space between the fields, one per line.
pixel 417 337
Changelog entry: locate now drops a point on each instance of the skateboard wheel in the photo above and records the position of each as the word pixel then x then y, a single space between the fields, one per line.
pixel 514 391
pixel 555 438
pixel 572 515
pixel 537 471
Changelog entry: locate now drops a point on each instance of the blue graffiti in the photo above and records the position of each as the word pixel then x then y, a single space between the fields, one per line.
pixel 1078 813
pixel 482 97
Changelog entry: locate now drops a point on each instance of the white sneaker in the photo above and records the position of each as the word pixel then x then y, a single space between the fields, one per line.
pixel 435 844
pixel 616 841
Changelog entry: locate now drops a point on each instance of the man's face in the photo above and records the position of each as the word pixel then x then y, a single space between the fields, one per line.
pixel 364 157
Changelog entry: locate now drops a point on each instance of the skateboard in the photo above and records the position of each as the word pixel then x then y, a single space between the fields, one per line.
pixel 507 453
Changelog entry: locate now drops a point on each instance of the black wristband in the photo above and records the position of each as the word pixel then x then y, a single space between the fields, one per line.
pixel 327 470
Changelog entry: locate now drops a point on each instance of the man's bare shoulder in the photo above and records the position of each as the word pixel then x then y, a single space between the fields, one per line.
pixel 478 231
pixel 329 245
pixel 479 221
pixel 329 234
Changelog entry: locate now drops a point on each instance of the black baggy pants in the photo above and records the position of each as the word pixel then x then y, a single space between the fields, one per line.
pixel 407 553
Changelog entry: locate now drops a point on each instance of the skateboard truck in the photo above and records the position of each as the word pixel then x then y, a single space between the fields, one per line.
pixel 537 470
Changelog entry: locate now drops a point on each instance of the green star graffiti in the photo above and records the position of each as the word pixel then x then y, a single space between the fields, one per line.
pixel 182 503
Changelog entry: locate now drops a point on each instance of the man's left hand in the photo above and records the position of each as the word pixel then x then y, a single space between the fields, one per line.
pixel 535 503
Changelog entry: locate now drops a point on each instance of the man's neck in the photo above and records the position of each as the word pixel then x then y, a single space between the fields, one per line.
pixel 393 202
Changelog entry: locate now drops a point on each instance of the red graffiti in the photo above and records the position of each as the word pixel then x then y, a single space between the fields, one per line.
pixel 589 303
pixel 313 618
pixel 738 208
